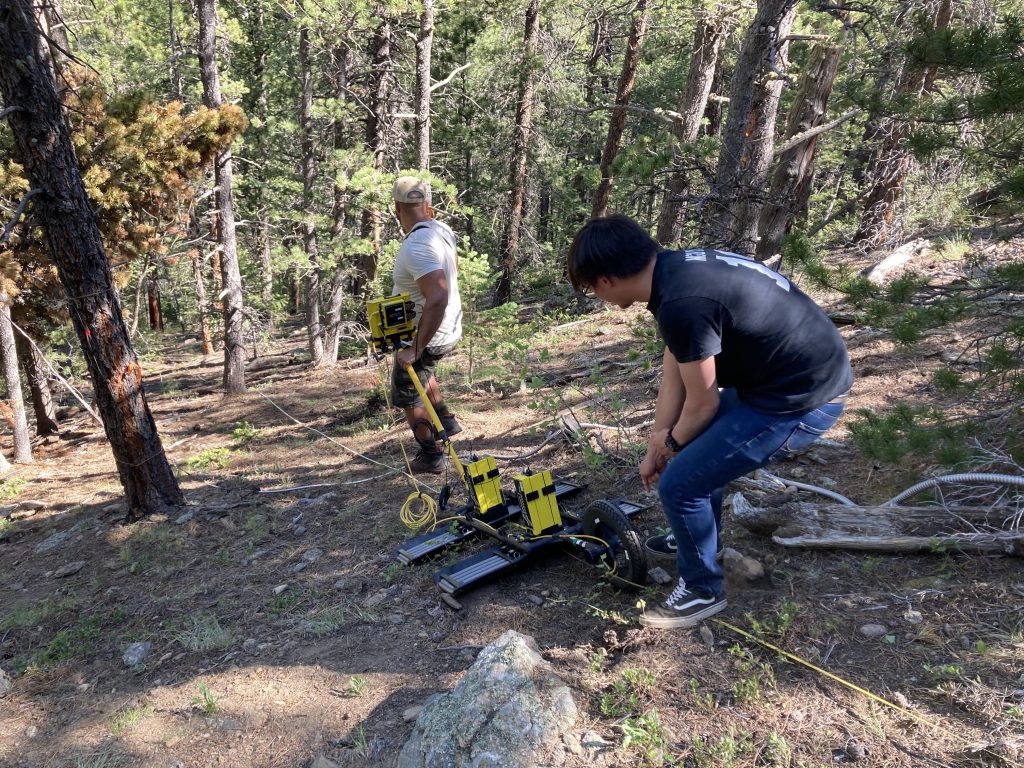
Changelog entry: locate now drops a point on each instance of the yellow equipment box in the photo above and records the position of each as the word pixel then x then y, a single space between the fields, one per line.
pixel 482 477
pixel 537 497
pixel 391 322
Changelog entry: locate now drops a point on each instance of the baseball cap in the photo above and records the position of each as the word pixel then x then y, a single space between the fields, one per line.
pixel 409 189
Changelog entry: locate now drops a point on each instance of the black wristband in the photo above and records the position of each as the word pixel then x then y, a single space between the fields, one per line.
pixel 670 442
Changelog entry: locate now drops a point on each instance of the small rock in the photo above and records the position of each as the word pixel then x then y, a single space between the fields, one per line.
pixel 706 635
pixel 396 618
pixel 250 645
pixel 451 602
pixel 299 567
pixel 913 617
pixel 21 514
pixel 412 714
pixel 659 576
pixel 312 555
pixel 5 684
pixel 298 530
pixel 874 630
pixel 280 588
pixel 594 744
pixel 83 687
pixel 536 600
pixel 54 541
pixel 900 700
pixel 31 731
pixel 69 569
pixel 323 762
pixel 855 751
pixel 136 653
pixel 375 599
pixel 740 566
pixel 572 743
pixel 33 506
pixel 186 517
pixel 51 439
pixel 965 642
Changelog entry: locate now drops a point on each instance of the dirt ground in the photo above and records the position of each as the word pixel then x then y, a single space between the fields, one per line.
pixel 281 629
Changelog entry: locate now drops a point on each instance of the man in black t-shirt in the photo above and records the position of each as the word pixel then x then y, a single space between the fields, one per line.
pixel 753 371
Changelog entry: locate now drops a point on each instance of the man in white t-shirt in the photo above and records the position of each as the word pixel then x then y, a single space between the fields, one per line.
pixel 426 268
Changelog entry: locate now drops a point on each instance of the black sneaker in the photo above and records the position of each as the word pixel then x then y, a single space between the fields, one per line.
pixel 427 461
pixel 661 547
pixel 683 608
pixel 451 425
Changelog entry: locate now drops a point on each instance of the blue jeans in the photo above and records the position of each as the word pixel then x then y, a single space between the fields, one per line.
pixel 738 440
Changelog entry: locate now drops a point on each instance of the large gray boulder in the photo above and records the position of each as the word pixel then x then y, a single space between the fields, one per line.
pixel 509 710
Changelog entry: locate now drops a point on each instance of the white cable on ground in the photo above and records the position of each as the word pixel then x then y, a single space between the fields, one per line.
pixel 342 445
pixel 813 488
pixel 968 477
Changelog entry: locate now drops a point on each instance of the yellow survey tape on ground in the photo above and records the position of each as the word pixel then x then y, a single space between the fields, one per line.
pixel 863 691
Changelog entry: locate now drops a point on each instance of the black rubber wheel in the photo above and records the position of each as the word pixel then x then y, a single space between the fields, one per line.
pixel 603 520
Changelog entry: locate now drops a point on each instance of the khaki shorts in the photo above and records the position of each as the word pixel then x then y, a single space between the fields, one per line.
pixel 403 391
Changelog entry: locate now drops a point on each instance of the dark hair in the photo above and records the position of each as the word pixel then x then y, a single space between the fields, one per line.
pixel 612 246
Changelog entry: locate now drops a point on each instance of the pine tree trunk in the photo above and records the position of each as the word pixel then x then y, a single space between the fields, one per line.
pixel 234 341
pixel 39 386
pixel 707 46
pixel 794 173
pixel 732 210
pixel 339 212
pixel 309 245
pixel 377 131
pixel 424 43
pixel 201 305
pixel 133 327
pixel 43 147
pixel 12 375
pixel 891 163
pixel 623 94
pixel 262 203
pixel 174 61
pixel 156 318
pixel 508 248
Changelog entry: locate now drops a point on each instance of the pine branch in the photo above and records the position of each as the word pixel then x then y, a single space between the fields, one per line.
pixel 21 209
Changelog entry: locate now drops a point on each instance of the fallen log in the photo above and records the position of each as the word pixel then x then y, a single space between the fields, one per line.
pixel 882 529
pixel 883 272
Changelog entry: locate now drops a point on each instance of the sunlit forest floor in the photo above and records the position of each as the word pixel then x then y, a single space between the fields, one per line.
pixel 282 630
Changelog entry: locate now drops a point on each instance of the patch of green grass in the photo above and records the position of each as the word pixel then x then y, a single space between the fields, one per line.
pixel 327 621
pixel 647 738
pixel 728 751
pixel 597 660
pixel 628 695
pixel 211 458
pixel 35 612
pixel 282 602
pixel 11 488
pixel 129 718
pixel 78 640
pixel 701 699
pixel 778 624
pixel 244 432
pixel 355 687
pixel 204 633
pixel 205 702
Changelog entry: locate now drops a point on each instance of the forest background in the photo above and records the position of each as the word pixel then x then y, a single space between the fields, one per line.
pixel 232 165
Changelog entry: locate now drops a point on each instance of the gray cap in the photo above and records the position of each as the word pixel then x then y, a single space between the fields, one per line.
pixel 409 189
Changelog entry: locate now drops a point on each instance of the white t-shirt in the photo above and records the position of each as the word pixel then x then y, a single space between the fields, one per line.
pixel 428 247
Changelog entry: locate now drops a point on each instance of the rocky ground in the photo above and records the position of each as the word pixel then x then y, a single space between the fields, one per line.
pixel 269 624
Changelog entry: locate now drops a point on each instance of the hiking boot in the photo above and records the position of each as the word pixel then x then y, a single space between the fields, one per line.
pixel 684 608
pixel 661 547
pixel 451 425
pixel 427 460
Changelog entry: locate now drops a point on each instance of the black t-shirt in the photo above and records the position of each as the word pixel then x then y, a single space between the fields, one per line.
pixel 770 341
